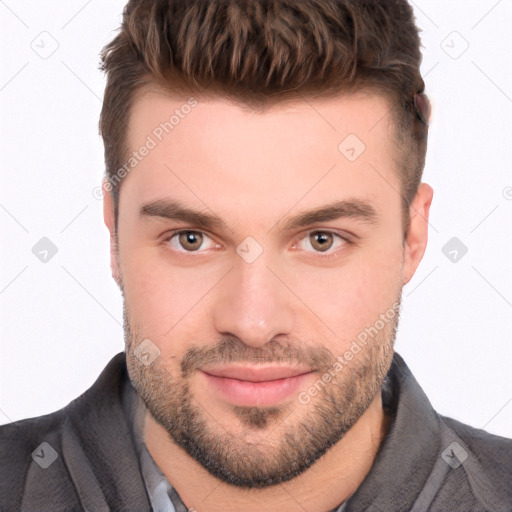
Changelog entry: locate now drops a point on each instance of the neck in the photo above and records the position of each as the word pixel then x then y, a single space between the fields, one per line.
pixel 325 485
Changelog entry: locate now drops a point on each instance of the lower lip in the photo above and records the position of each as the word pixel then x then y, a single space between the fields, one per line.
pixel 245 393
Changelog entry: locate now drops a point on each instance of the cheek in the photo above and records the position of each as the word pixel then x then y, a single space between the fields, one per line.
pixel 352 297
pixel 161 296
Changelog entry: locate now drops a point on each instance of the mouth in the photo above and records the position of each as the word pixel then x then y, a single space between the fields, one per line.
pixel 255 385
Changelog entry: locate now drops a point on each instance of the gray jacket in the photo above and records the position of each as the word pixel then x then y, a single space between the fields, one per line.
pixel 83 457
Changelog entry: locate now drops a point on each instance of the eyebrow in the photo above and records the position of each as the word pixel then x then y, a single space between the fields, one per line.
pixel 174 210
pixel 347 208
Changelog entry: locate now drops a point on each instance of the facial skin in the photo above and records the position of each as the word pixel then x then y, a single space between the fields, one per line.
pixel 291 306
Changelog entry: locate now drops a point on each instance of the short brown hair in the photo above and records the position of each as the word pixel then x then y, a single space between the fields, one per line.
pixel 262 52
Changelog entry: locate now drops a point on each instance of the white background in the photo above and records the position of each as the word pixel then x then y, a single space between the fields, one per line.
pixel 61 321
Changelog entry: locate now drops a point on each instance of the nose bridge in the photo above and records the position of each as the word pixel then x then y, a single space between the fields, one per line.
pixel 255 306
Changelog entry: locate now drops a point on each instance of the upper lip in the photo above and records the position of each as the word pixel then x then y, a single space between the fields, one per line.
pixel 258 373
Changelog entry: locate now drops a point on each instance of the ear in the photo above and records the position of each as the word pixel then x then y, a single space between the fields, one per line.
pixel 415 242
pixel 109 218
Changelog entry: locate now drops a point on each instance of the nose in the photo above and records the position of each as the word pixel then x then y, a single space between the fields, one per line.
pixel 255 306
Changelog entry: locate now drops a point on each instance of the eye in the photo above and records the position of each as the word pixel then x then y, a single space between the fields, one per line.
pixel 190 241
pixel 322 242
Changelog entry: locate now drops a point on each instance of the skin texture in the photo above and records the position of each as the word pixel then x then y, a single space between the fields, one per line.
pixel 290 305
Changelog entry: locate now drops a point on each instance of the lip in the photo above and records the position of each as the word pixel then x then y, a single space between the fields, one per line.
pixel 255 386
pixel 256 373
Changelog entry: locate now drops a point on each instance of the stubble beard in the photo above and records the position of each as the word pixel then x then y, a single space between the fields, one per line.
pixel 271 445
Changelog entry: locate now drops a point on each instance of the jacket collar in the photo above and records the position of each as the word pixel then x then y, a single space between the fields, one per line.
pixel 96 442
pixel 409 450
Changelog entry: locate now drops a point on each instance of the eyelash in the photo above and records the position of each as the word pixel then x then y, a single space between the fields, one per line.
pixel 318 254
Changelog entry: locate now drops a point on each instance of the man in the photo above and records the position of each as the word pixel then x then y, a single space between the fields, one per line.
pixel 265 206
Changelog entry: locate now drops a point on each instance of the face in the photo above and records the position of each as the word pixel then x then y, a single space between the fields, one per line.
pixel 261 259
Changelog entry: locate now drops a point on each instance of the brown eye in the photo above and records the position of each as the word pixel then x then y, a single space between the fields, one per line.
pixel 321 241
pixel 190 240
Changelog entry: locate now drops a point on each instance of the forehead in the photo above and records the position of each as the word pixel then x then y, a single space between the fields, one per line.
pixel 205 148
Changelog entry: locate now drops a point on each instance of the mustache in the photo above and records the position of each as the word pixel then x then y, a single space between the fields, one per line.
pixel 233 350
